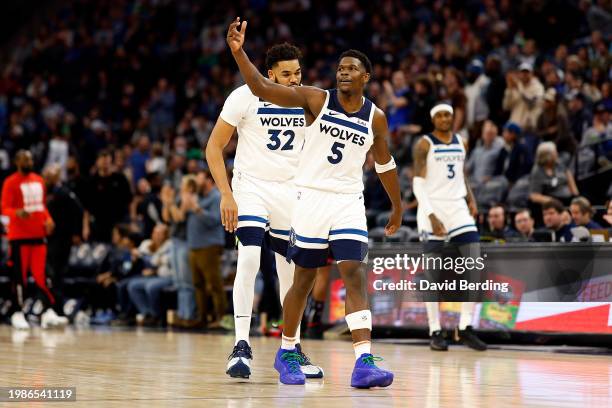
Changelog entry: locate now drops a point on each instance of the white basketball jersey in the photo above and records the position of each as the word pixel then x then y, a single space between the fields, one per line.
pixel 444 179
pixel 335 148
pixel 270 138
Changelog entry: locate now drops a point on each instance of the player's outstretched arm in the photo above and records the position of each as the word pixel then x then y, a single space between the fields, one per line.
pixel 386 170
pixel 219 138
pixel 309 98
pixel 421 149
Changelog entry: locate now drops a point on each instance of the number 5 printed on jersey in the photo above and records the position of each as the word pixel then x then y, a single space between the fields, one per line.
pixel 336 156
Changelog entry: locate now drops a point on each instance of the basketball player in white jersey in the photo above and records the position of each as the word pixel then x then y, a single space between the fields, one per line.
pixel 446 209
pixel 329 215
pixel 269 141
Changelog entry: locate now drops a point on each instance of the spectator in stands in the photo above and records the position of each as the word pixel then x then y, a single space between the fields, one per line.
pixel 398 97
pixel 579 117
pixel 148 206
pixel 552 211
pixel 139 158
pixel 66 211
pixel 549 178
pixel 106 201
pixel 553 125
pixel 602 127
pixel 120 265
pixel 205 239
pixel 523 97
pixel 498 227
pixel 513 160
pixel 475 92
pixel 423 101
pixel 456 95
pixel 582 213
pixel 481 164
pixel 608 213
pixel 174 213
pixel 145 291
pixel 524 224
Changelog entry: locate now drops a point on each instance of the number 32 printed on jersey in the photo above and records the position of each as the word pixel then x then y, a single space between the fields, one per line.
pixel 276 140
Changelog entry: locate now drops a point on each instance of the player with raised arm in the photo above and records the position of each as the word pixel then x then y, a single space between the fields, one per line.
pixel 446 209
pixel 329 215
pixel 269 141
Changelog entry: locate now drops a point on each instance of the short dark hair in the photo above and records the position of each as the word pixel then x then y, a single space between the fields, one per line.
pixel 282 52
pixel 365 61
pixel 555 204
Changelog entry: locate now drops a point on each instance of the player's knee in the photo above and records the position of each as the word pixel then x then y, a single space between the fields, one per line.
pixel 353 277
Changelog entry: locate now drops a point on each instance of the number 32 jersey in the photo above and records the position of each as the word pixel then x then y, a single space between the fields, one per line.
pixel 270 138
pixel 336 146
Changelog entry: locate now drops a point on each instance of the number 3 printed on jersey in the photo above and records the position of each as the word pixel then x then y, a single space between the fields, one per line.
pixel 276 142
pixel 451 171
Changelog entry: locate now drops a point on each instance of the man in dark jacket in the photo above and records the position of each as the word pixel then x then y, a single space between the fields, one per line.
pixel 513 161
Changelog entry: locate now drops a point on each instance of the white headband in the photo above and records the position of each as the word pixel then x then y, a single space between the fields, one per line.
pixel 443 107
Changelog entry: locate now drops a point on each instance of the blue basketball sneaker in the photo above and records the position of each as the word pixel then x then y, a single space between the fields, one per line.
pixel 366 374
pixel 239 364
pixel 310 370
pixel 287 363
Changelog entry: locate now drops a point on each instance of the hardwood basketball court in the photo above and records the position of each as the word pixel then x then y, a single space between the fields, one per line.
pixel 145 368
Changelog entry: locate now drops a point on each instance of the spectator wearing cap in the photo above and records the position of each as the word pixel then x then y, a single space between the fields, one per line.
pixel 552 214
pixel 553 124
pixel 550 179
pixel 602 126
pixel 523 97
pixel 513 160
pixel 524 224
pixel 579 116
pixel 582 213
pixel 480 167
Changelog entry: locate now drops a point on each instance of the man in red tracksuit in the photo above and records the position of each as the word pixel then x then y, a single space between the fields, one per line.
pixel 29 222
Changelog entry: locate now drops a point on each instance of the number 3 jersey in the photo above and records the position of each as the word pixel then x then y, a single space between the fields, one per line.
pixel 336 146
pixel 270 138
pixel 444 178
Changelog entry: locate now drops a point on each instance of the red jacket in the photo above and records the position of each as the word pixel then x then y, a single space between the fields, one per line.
pixel 25 192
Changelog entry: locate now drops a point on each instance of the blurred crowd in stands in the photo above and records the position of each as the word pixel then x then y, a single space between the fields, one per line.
pixel 116 99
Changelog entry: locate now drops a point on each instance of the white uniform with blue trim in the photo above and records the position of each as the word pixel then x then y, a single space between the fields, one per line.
pixel 445 187
pixel 329 215
pixel 269 141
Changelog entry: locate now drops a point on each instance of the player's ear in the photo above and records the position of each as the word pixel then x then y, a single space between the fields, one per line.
pixel 271 75
pixel 366 78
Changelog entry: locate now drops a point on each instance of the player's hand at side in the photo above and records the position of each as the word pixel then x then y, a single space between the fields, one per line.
pixel 439 229
pixel 395 220
pixel 229 212
pixel 235 38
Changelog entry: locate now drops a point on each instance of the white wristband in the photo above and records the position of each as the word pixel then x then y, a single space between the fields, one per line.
pixel 420 192
pixel 381 168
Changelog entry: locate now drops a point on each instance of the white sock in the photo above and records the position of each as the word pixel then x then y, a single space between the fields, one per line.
pixel 467 315
pixel 288 343
pixel 244 289
pixel 433 316
pixel 361 348
pixel 285 271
